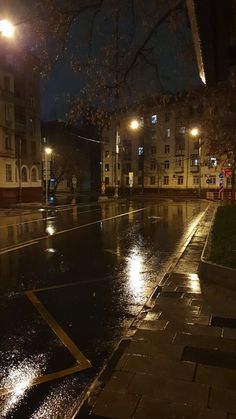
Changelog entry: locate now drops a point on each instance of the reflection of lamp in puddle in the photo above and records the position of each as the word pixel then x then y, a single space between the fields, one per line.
pixel 135 264
pixel 194 282
pixel 50 230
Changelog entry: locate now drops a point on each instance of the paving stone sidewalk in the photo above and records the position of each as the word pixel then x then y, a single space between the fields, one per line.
pixel 181 362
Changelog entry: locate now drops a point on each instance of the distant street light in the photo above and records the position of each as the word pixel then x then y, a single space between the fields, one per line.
pixel 134 124
pixel 195 132
pixel 48 152
pixel 7 29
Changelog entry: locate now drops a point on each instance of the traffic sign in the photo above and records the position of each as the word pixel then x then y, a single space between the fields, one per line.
pixel 208 180
pixel 221 175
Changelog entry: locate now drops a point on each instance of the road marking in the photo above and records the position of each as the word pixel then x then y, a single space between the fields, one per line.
pixel 14 248
pixel 61 334
pixel 27 222
pixel 57 233
pixel 45 378
pixel 72 284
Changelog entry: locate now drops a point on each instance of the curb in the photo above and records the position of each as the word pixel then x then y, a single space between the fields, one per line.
pixel 212 272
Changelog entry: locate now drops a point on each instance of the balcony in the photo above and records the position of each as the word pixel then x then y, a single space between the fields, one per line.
pixel 194 169
pixel 179 169
pixel 179 151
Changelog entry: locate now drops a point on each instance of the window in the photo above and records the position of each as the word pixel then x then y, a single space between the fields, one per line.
pixel 195 145
pixel 8 142
pixel 213 180
pixel 228 180
pixel 152 180
pixel 213 162
pixel 167 148
pixel 107 153
pixel 179 162
pixel 24 176
pixel 7 111
pixel 31 126
pixel 180 180
pixel 141 121
pixel 34 174
pixel 139 180
pixel 6 83
pixel 33 148
pixel 167 116
pixel 8 173
pixel 118 166
pixel 195 180
pixel 140 151
pixel 166 180
pixel 154 134
pixel 154 119
pixel 166 164
pixel 106 180
pixel 107 167
pixel 194 160
pixel 181 130
pixel 168 132
pixel 153 149
pixel 153 165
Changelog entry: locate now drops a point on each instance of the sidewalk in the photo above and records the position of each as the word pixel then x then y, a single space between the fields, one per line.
pixel 181 360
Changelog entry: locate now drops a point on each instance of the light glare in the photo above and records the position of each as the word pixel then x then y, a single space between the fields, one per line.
pixel 194 132
pixel 6 28
pixel 134 124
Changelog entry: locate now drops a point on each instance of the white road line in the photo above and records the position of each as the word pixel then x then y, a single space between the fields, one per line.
pixel 37 239
pixel 12 249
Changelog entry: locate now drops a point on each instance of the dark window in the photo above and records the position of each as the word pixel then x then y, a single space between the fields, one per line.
pixel 139 180
pixel 106 167
pixel 8 173
pixel 195 180
pixel 24 176
pixel 7 110
pixel 153 149
pixel 166 180
pixel 153 165
pixel 34 175
pixel 213 180
pixel 195 145
pixel 106 180
pixel 180 180
pixel 107 153
pixel 7 83
pixel 33 148
pixel 167 148
pixel 152 180
pixel 8 142
pixel 127 180
pixel 166 164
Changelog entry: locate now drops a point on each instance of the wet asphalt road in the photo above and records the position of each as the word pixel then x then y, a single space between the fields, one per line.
pixel 72 282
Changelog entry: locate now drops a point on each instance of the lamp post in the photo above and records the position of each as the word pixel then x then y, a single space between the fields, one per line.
pixel 116 192
pixel 195 132
pixel 48 152
pixel 135 125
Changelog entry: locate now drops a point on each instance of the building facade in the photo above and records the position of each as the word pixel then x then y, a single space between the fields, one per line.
pixel 20 145
pixel 160 155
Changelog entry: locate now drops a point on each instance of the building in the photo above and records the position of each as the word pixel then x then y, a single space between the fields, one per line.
pixel 161 156
pixel 74 164
pixel 20 145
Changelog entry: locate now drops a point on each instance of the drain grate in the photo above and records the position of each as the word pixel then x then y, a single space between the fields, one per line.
pixel 211 357
pixel 223 322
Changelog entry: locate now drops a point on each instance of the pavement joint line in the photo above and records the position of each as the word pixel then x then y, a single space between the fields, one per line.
pixel 45 378
pixel 57 233
pixel 59 332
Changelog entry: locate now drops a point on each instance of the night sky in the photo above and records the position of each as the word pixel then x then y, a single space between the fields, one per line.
pixel 173 50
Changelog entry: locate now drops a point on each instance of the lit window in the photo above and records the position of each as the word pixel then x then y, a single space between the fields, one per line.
pixel 168 132
pixel 106 167
pixel 140 151
pixel 141 121
pixel 213 162
pixel 154 119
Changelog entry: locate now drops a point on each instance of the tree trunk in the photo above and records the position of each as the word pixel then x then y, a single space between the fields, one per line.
pixel 233 177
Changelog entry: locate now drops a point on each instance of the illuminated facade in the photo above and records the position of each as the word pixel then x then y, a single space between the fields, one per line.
pixel 160 155
pixel 20 158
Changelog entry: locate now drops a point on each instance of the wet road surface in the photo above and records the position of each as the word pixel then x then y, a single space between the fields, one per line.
pixel 72 282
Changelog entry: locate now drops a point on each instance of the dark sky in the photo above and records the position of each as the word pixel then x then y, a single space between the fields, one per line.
pixel 172 49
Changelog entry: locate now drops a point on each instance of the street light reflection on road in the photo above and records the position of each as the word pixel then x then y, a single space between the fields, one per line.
pixel 135 267
pixel 50 229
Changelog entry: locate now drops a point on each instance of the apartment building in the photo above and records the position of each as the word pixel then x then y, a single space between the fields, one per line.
pixel 20 158
pixel 159 155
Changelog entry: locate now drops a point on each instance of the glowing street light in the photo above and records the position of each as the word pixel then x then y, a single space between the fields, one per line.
pixel 7 29
pixel 48 152
pixel 195 132
pixel 134 124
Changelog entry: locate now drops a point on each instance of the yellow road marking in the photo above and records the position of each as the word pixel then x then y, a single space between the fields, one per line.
pixel 45 378
pixel 61 334
pixel 70 284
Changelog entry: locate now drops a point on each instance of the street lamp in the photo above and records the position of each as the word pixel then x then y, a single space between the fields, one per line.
pixel 7 29
pixel 195 132
pixel 48 152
